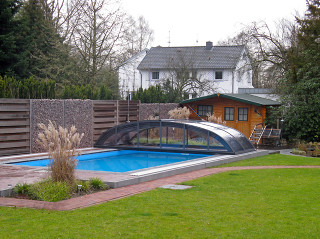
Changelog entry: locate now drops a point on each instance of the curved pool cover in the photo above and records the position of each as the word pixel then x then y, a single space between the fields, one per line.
pixel 192 136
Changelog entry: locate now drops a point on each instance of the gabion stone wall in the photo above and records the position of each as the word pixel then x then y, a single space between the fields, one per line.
pixel 156 109
pixel 64 113
pixel 80 114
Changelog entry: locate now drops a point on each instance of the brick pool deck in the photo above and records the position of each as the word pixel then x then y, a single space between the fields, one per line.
pixel 113 194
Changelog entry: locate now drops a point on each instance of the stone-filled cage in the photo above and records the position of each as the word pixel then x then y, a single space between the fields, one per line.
pixel 187 136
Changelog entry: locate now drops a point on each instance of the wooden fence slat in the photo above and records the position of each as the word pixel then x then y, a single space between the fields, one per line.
pixel 107 114
pixel 13 151
pixel 14 130
pixel 104 126
pixel 15 123
pixel 14 144
pixel 104 102
pixel 12 109
pixel 14 116
pixel 104 107
pixel 97 114
pixel 13 137
pixel 13 101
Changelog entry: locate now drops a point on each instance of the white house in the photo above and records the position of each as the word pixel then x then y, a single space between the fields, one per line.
pixel 224 68
pixel 129 76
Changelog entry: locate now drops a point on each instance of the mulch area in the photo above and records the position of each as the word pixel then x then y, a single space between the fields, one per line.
pixel 113 194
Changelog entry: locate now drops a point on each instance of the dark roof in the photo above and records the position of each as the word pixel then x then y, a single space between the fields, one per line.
pixel 133 57
pixel 219 57
pixel 246 98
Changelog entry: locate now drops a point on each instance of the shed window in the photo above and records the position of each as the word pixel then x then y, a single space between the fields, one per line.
pixel 243 114
pixel 218 75
pixel 204 110
pixel 155 75
pixel 229 113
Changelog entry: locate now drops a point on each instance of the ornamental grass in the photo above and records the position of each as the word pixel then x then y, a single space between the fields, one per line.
pixel 61 145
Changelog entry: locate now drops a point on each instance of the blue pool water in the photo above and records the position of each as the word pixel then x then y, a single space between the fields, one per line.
pixel 123 160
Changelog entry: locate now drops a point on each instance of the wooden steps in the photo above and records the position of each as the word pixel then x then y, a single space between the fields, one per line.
pixel 268 135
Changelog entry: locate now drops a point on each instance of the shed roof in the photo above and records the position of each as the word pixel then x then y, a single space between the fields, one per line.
pixel 246 98
pixel 198 57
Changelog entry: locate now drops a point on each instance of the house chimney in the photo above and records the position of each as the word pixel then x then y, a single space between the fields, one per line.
pixel 209 45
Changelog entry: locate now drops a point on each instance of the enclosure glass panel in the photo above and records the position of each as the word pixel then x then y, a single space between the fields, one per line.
pixel 172 137
pixel 149 137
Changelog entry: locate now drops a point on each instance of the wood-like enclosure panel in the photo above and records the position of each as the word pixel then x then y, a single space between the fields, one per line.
pixel 14 126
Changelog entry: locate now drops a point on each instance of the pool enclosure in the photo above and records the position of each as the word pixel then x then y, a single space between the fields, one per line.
pixel 187 136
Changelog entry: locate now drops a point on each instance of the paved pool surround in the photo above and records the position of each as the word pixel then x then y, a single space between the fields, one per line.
pixel 10 175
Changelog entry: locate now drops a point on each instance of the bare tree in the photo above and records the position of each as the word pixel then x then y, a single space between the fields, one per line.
pixel 64 15
pixel 97 35
pixel 184 77
pixel 137 36
pixel 270 51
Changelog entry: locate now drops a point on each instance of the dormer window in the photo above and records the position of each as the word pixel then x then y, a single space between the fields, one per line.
pixel 155 75
pixel 218 75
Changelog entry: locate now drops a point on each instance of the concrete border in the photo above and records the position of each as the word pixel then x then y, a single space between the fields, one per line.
pixel 143 175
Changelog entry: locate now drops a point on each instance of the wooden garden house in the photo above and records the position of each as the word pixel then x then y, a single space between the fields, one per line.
pixel 239 111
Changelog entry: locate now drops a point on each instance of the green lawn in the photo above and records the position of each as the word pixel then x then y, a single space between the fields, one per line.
pixel 268 203
pixel 275 159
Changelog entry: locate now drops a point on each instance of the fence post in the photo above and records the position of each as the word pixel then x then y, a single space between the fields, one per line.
pixel 117 112
pixel 30 126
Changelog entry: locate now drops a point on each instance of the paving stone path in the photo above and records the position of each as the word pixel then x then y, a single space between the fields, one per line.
pixel 113 194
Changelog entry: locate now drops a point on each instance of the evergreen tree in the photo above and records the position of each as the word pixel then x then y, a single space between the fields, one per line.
pixel 301 87
pixel 8 27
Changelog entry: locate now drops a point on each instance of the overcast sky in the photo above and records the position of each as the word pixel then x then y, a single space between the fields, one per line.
pixel 192 21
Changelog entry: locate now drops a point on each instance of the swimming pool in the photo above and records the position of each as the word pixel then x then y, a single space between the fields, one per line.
pixel 123 160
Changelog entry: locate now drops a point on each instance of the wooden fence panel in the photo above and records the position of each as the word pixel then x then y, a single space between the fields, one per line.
pixel 15 116
pixel 133 110
pixel 104 116
pixel 107 114
pixel 14 126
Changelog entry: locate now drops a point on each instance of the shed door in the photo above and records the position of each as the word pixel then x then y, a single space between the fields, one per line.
pixel 243 120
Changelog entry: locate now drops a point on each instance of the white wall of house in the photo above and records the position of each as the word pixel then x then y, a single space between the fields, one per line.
pixel 230 82
pixel 243 73
pixel 129 76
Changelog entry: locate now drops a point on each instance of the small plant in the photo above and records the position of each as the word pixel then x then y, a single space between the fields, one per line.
pixel 61 145
pixel 97 183
pixel 299 152
pixel 85 186
pixel 49 190
pixel 22 189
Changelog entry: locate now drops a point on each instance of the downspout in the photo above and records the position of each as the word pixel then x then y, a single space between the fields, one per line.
pixel 232 91
pixel 140 79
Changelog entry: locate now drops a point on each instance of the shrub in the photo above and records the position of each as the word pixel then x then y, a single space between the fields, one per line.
pixel 97 183
pixel 22 189
pixel 49 190
pixel 61 144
